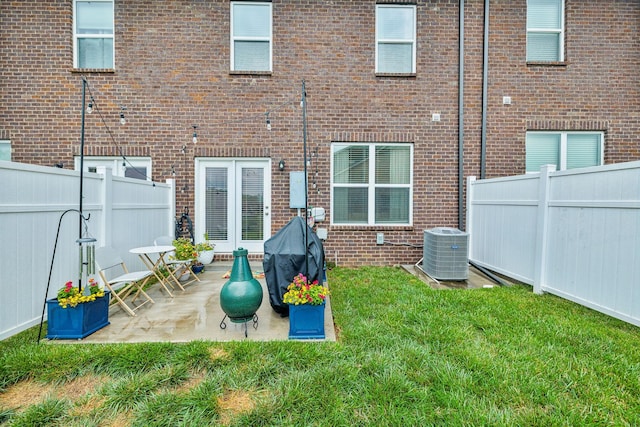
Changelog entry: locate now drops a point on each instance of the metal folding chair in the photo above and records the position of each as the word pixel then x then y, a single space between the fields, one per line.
pixel 125 282
pixel 177 267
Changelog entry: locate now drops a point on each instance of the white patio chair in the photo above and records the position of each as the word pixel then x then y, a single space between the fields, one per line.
pixel 177 267
pixel 125 282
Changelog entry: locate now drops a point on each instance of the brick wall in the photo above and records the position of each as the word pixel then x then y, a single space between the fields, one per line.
pixel 172 71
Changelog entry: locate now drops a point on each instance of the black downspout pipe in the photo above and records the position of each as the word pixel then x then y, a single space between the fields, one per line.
pixel 461 121
pixel 485 78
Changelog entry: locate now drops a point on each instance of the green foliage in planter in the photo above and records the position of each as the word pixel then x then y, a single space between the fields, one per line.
pixel 204 246
pixel 185 250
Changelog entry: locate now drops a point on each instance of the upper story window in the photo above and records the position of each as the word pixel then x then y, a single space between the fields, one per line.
pixel 545 30
pixel 566 150
pixel 5 150
pixel 251 34
pixel 132 167
pixel 395 38
pixel 93 34
pixel 371 184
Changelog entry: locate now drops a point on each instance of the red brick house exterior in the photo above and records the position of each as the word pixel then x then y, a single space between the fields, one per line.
pixel 172 70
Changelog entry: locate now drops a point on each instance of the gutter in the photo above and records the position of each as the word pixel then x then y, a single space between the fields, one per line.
pixel 485 78
pixel 461 120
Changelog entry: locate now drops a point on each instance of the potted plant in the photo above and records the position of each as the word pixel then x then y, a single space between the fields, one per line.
pixel 197 267
pixel 186 252
pixel 74 314
pixel 205 252
pixel 307 302
pixel 185 249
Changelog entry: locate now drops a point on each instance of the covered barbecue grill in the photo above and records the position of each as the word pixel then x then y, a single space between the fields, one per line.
pixel 284 258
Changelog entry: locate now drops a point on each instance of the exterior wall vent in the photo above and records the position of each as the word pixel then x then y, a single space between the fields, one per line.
pixel 446 254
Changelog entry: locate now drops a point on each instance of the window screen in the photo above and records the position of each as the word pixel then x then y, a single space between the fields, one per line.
pixel 545 28
pixel 566 150
pixel 371 183
pixel 395 39
pixel 94 34
pixel 251 36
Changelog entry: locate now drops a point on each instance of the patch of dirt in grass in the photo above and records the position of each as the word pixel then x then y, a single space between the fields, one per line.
pixel 191 383
pixel 122 419
pixel 235 402
pixel 80 386
pixel 27 393
pixel 24 394
pixel 216 354
pixel 338 332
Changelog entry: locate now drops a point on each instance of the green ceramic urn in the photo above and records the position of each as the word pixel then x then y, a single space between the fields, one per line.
pixel 241 295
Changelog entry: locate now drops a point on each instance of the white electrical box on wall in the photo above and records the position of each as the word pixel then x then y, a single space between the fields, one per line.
pixel 318 214
pixel 296 190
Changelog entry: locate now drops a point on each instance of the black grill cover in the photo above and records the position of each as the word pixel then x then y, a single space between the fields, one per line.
pixel 284 258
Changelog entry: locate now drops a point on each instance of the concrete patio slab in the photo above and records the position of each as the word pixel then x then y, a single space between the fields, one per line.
pixel 195 314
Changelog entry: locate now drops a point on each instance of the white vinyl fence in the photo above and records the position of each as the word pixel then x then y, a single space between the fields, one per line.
pixel 123 213
pixel 575 233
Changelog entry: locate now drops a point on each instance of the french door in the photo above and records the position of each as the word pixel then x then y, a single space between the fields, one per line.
pixel 232 203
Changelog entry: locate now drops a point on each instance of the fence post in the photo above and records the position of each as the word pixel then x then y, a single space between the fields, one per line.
pixel 106 227
pixel 471 180
pixel 539 274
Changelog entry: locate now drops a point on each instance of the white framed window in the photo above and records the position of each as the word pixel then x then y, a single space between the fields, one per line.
pixel 566 150
pixel 371 184
pixel 545 30
pixel 395 38
pixel 251 36
pixel 93 34
pixel 5 150
pixel 132 167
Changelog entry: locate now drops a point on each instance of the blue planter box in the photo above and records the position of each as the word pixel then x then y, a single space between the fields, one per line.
pixel 79 321
pixel 306 321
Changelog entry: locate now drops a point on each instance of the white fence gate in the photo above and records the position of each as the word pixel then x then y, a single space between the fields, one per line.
pixel 124 213
pixel 575 233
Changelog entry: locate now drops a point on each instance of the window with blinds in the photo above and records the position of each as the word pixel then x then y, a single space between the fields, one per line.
pixel 395 38
pixel 371 183
pixel 566 150
pixel 250 36
pixel 216 200
pixel 545 30
pixel 93 34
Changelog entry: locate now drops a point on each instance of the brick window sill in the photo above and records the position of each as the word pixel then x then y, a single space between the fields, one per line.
pixel 93 70
pixel 249 73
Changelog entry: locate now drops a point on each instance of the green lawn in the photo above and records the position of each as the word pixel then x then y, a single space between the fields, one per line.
pixel 406 356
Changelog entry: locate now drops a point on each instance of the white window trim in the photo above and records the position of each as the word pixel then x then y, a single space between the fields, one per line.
pixel 233 38
pixel 563 145
pixel 101 36
pixel 550 31
pixel 6 142
pixel 413 41
pixel 371 185
pixel 115 164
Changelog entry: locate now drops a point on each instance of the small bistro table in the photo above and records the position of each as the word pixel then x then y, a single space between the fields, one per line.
pixel 145 252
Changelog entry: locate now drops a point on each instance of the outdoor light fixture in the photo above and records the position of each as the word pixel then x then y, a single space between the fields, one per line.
pixel 195 135
pixel 281 165
pixel 123 121
pixel 268 121
pixel 90 108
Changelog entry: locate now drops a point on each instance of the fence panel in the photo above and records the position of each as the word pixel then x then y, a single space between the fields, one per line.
pixel 501 221
pixel 582 242
pixel 32 200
